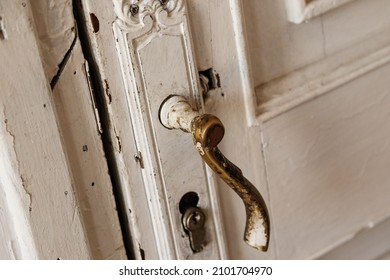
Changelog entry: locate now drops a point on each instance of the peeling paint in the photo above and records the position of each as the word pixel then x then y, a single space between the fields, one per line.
pixel 3 31
pixel 107 91
pixel 29 194
pixel 15 197
pixel 23 181
pixel 200 148
pixel 118 141
pixel 140 160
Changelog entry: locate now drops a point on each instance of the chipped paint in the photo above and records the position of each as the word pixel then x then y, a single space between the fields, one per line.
pixel 14 195
pixel 3 31
pixel 93 100
pixel 199 147
pixel 118 141
pixel 140 159
pixel 107 91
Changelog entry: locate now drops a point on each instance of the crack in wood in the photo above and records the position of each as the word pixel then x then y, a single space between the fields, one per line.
pixel 62 64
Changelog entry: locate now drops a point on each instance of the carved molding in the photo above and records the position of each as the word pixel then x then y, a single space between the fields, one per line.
pixel 282 94
pixel 133 15
pixel 155 52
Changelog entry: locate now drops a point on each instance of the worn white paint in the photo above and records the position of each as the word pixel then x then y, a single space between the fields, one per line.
pixel 299 11
pixel 16 237
pixel 49 209
pixel 278 155
pixel 138 222
pixel 176 113
pixel 246 77
pixel 40 162
pixel 318 151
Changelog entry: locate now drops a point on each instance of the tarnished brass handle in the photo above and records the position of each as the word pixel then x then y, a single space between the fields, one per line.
pixel 208 131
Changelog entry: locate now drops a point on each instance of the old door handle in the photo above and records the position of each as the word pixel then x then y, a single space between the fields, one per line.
pixel 208 131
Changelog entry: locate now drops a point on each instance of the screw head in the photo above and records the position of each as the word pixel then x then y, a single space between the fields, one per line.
pixel 134 9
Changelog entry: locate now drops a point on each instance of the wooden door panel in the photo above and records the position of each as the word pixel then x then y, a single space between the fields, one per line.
pixel 327 166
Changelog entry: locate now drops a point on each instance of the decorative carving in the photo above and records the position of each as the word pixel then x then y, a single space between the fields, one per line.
pixel 133 14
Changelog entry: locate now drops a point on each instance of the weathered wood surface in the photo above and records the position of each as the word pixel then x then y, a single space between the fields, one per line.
pixel 56 193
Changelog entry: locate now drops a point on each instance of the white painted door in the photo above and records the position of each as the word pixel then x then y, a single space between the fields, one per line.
pixel 301 87
pixel 303 91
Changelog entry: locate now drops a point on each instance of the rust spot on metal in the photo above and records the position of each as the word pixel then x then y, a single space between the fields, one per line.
pixel 95 22
pixel 208 131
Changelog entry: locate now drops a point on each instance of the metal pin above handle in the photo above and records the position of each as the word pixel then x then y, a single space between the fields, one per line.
pixel 207 131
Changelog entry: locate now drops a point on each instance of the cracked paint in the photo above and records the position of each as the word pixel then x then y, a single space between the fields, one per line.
pixel 14 195
pixel 56 33
pixel 12 136
pixel 118 141
pixel 62 64
pixel 29 194
pixel 3 31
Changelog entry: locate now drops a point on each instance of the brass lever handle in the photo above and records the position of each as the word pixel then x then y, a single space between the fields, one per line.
pixel 208 131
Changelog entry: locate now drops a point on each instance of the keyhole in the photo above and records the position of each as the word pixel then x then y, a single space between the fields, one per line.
pixel 188 200
pixel 193 220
